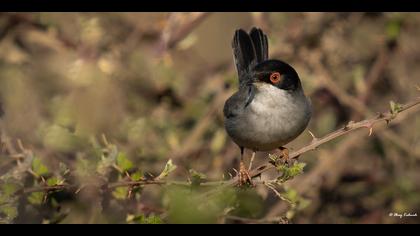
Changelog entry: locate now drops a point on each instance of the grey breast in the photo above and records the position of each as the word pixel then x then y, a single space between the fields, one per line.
pixel 273 118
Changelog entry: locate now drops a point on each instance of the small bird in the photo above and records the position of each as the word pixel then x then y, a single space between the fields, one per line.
pixel 270 108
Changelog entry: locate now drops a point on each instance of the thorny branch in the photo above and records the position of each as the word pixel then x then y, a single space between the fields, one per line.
pixel 316 142
pixel 351 126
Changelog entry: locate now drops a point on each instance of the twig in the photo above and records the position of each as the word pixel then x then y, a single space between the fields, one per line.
pixel 316 142
pixel 351 126
pixel 321 174
pixel 47 188
pixel 358 104
pixel 68 187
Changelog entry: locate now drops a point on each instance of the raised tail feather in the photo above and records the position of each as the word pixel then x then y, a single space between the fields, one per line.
pixel 248 50
pixel 260 42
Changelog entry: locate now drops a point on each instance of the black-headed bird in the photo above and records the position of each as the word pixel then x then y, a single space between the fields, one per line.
pixel 270 108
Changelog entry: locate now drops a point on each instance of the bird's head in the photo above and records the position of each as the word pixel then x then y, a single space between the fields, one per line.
pixel 276 73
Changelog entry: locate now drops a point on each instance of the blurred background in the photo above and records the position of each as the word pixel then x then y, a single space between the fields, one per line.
pixel 154 85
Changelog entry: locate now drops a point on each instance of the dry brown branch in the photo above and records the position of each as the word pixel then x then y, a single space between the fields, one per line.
pixel 351 126
pixel 316 142
pixel 321 174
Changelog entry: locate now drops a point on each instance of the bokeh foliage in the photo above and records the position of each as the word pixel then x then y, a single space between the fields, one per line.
pixel 99 98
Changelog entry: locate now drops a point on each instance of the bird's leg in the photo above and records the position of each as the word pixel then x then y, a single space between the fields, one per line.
pixel 244 177
pixel 284 154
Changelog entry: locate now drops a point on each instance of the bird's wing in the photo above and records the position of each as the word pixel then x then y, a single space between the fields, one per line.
pixel 243 54
pixel 260 42
pixel 239 101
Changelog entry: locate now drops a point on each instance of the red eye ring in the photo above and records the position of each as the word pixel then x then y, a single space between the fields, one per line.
pixel 275 77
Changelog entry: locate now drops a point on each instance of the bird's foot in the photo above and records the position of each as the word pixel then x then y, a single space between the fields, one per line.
pixel 244 178
pixel 284 155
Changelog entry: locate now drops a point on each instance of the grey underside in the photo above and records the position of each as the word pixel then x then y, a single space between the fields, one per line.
pixel 264 117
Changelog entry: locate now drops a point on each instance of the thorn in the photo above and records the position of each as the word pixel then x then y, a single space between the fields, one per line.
pixel 45 198
pixel 370 131
pixel 43 179
pixel 312 135
pixel 314 138
pixel 130 191
pixel 78 190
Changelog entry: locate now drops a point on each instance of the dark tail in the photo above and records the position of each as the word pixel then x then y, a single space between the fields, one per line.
pixel 259 39
pixel 249 50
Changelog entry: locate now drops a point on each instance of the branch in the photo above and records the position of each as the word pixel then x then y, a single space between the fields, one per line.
pixel 358 104
pixel 131 184
pixel 316 142
pixel 351 126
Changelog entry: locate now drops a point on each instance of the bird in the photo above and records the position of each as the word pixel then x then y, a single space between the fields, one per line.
pixel 270 108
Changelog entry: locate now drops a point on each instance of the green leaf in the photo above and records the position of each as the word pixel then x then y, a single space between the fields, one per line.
pixel 142 219
pixel 292 195
pixel 36 198
pixel 393 28
pixel 169 167
pixel 120 193
pixel 53 181
pixel 297 202
pixel 290 214
pixel 197 178
pixel 39 168
pixel 123 163
pixel 290 172
pixel 274 160
pixel 136 176
pixel 395 107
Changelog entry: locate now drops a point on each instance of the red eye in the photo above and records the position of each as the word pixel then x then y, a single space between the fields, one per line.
pixel 275 77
